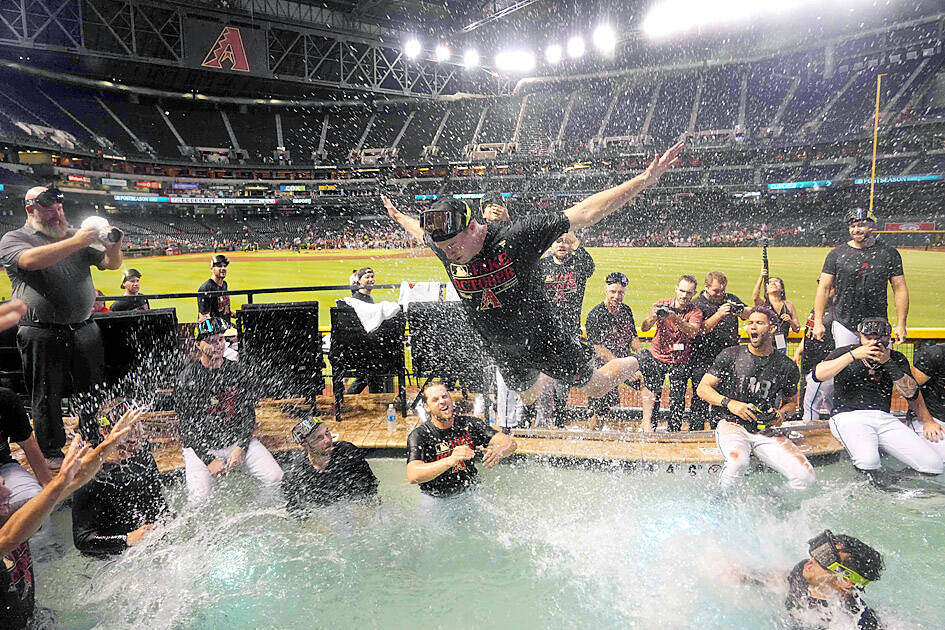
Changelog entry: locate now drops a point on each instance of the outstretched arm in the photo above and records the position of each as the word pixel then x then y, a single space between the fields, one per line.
pixel 601 205
pixel 411 225
pixel 901 300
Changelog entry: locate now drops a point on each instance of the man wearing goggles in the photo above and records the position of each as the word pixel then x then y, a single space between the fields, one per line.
pixel 859 270
pixel 324 471
pixel 118 508
pixel 61 348
pixel 216 405
pixel 864 375
pixel 838 570
pixel 494 269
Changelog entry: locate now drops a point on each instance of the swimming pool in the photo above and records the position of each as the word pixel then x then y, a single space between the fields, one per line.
pixel 533 547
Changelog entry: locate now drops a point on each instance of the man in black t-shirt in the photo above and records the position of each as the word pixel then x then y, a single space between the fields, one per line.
pixel 859 270
pixel 118 508
pixel 15 427
pixel 216 408
pixel 494 270
pixel 720 314
pixel 324 472
pixel 440 451
pixel 213 303
pixel 929 373
pixel 756 388
pixel 864 375
pixel 131 301
pixel 612 334
pixel 565 273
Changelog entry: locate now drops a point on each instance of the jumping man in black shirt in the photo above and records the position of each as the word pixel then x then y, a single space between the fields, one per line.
pixel 864 376
pixel 440 451
pixel 756 387
pixel 494 269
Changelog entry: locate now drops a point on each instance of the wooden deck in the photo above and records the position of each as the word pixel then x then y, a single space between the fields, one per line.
pixel 365 425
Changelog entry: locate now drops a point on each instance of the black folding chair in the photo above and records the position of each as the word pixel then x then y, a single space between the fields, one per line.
pixel 353 349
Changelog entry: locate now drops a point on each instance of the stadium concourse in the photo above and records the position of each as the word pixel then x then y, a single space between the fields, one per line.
pixel 722 218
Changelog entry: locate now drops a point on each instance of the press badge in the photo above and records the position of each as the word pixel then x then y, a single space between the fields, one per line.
pixel 678 347
pixel 779 342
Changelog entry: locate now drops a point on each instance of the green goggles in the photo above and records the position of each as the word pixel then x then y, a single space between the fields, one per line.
pixel 303 429
pixel 823 549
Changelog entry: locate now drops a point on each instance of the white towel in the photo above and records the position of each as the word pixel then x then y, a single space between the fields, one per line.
pixel 418 292
pixel 373 315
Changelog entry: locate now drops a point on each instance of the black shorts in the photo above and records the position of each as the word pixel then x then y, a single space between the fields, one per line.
pixel 563 358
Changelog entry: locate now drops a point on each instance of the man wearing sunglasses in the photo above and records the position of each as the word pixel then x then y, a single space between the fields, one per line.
pixel 864 376
pixel 494 269
pixel 61 347
pixel 324 471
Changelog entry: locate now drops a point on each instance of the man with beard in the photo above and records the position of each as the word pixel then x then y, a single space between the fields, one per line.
pixel 494 269
pixel 440 451
pixel 364 285
pixel 217 412
pixel 61 347
pixel 756 388
pixel 213 302
pixel 131 301
pixel 858 270
pixel 323 471
pixel 118 508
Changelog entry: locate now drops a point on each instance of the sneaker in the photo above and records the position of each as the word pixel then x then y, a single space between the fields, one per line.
pixel 54 463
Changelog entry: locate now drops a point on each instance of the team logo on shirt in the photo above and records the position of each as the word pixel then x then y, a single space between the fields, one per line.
pixel 864 266
pixel 560 285
pixel 445 449
pixel 484 280
pixel 223 405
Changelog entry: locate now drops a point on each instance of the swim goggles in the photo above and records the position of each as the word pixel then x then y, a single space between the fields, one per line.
pixel 446 220
pixel 303 429
pixel 823 549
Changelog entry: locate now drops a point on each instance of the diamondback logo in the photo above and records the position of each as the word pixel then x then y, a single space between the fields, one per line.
pixel 228 49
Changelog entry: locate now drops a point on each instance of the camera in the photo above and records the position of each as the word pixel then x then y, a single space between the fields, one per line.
pixel 114 235
pixel 664 311
pixel 737 307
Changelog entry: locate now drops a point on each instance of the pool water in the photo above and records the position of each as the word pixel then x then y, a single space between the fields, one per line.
pixel 533 547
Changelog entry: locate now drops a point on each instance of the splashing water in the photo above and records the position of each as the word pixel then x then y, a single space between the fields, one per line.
pixel 533 546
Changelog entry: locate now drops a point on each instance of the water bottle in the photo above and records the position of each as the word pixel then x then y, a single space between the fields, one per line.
pixel 391 418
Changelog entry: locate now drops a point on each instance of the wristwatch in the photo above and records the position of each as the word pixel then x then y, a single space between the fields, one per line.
pixel 725 401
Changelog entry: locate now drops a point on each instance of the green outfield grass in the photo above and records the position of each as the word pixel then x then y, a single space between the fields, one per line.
pixel 652 273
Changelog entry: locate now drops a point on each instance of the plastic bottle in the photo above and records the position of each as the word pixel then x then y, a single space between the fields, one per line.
pixel 391 418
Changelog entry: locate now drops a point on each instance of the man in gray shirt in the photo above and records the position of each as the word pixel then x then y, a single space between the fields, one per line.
pixel 61 347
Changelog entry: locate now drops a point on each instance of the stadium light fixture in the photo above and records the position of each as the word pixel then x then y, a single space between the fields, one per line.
pixel 442 53
pixel 576 47
pixel 605 39
pixel 553 54
pixel 471 59
pixel 515 61
pixel 412 48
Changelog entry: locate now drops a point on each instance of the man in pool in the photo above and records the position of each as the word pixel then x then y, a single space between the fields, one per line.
pixel 494 269
pixel 756 388
pixel 864 375
pixel 929 372
pixel 440 451
pixel 324 471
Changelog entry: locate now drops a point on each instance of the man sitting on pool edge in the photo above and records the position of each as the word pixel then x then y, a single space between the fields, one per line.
pixel 440 451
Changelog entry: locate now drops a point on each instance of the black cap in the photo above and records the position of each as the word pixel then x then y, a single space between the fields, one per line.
pixel 364 270
pixel 874 326
pixel 128 274
pixel 616 276
pixel 860 214
pixel 219 259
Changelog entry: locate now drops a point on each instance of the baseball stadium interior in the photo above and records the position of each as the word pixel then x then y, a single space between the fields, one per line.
pixel 296 148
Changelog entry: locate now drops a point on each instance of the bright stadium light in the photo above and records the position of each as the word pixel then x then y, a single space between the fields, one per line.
pixel 575 47
pixel 442 53
pixel 553 54
pixel 471 59
pixel 671 17
pixel 412 48
pixel 605 39
pixel 515 61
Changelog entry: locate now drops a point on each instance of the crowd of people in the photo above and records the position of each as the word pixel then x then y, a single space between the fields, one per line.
pixel 527 310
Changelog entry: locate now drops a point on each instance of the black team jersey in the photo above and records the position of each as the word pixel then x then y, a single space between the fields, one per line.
pixel 564 285
pixel 17 591
pixel 212 301
pixel 501 287
pixel 815 349
pixel 346 477
pixel 14 423
pixel 121 498
pixel 860 277
pixel 862 385
pixel 428 443
pixel 930 360
pixel 762 381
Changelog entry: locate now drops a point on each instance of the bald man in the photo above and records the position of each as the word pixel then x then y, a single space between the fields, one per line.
pixel 48 263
